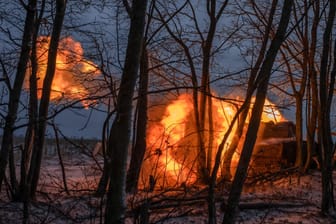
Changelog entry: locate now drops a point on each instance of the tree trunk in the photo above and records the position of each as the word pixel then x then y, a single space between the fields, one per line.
pixel 239 119
pixel 32 112
pixel 138 152
pixel 210 135
pixel 324 131
pixel 251 135
pixel 312 84
pixel 298 133
pixel 34 171
pixel 119 138
pixel 103 182
pixel 250 89
pixel 15 92
pixel 205 115
pixel 58 148
pixel 206 102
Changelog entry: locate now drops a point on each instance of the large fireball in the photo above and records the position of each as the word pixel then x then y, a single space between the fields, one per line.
pixel 73 73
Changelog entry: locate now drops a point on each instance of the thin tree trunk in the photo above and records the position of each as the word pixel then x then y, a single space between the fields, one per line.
pixel 298 132
pixel 210 135
pixel 325 140
pixel 205 156
pixel 240 119
pixel 120 131
pixel 34 171
pixel 15 92
pixel 139 149
pixel 251 135
pixel 103 182
pixel 60 159
pixel 12 174
pixel 250 89
pixel 312 83
pixel 32 111
pixel 201 157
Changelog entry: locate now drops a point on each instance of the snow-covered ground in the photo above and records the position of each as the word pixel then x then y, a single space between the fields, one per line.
pixel 289 199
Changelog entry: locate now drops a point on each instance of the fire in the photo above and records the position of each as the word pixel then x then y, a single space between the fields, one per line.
pixel 71 70
pixel 174 119
pixel 173 140
pixel 271 114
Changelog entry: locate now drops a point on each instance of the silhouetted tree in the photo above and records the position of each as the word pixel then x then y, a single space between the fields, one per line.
pixel 251 135
pixel 118 142
pixel 15 91
pixel 199 66
pixel 249 92
pixel 34 170
pixel 239 119
pixel 32 111
pixel 326 91
pixel 139 148
pixel 298 55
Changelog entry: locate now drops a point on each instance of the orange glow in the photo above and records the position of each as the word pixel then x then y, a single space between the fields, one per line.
pixel 174 120
pixel 271 114
pixel 175 137
pixel 71 70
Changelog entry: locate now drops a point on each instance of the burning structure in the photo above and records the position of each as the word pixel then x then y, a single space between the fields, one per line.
pixel 172 142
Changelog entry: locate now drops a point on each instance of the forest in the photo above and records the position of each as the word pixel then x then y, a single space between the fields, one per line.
pixel 167 111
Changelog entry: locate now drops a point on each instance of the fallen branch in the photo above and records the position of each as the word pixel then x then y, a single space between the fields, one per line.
pixel 271 205
pixel 271 176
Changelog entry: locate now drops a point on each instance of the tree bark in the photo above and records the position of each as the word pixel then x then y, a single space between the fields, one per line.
pixel 239 119
pixel 59 154
pixel 324 129
pixel 34 171
pixel 103 182
pixel 312 84
pixel 32 111
pixel 250 89
pixel 251 135
pixel 205 104
pixel 15 92
pixel 138 152
pixel 119 138
pixel 205 93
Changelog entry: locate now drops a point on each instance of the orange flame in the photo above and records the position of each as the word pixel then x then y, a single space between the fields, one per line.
pixel 71 70
pixel 271 114
pixel 174 137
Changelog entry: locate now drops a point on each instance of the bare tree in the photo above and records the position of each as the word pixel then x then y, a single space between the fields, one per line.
pixel 32 111
pixel 298 57
pixel 251 135
pixel 34 171
pixel 312 92
pixel 139 148
pixel 118 141
pixel 140 144
pixel 250 89
pixel 240 118
pixel 206 43
pixel 15 91
pixel 326 91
